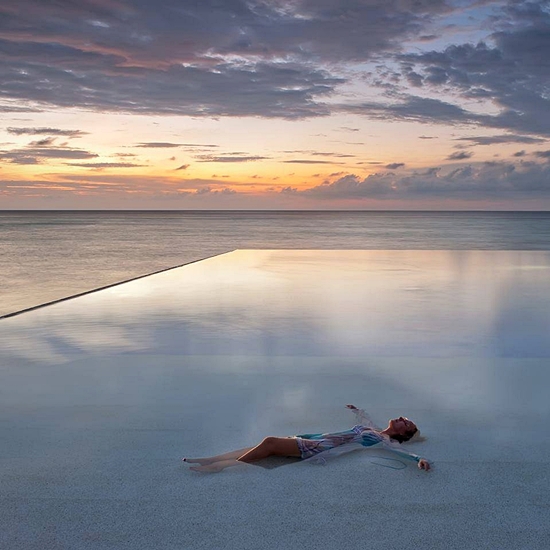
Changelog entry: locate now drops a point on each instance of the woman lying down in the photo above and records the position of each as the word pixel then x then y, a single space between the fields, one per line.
pixel 321 446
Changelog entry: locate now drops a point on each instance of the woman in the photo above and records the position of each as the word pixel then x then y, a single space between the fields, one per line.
pixel 307 446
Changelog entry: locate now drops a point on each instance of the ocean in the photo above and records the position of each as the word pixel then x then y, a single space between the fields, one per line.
pixel 47 255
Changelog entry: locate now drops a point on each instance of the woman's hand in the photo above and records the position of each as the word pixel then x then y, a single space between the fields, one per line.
pixel 423 464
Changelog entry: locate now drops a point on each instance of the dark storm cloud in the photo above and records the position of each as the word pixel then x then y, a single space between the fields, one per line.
pixel 543 154
pixel 506 138
pixel 45 131
pixel 460 155
pixel 207 58
pixel 486 181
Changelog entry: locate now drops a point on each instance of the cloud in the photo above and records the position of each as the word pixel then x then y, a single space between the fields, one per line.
pixel 512 72
pixel 395 165
pixel 199 145
pixel 158 145
pixel 318 153
pixel 8 108
pixel 414 109
pixel 506 138
pixel 337 155
pixel 101 165
pixel 182 167
pixel 306 161
pixel 283 89
pixel 45 131
pixel 35 155
pixel 543 154
pixel 519 154
pixel 23 160
pixel 208 58
pixel 460 155
pixel 494 181
pixel 210 191
pixel 46 142
pixel 231 158
pixel 169 145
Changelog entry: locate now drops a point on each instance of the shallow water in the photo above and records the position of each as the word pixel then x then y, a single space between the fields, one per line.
pixel 49 255
pixel 101 396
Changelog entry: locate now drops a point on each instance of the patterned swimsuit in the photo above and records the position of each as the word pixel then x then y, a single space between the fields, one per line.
pixel 313 444
pixel 361 435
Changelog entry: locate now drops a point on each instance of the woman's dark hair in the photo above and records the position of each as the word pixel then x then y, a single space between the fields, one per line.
pixel 405 437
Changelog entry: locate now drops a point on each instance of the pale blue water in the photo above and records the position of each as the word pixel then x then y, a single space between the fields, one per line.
pixel 101 396
pixel 50 255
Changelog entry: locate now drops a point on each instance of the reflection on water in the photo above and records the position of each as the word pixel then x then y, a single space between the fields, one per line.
pixel 349 303
pixel 101 396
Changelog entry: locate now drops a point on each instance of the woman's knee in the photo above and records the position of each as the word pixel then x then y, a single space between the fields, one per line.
pixel 283 446
pixel 270 442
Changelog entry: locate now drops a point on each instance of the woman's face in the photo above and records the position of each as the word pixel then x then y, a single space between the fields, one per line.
pixel 402 425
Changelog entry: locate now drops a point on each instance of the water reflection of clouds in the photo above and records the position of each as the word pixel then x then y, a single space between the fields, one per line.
pixel 377 303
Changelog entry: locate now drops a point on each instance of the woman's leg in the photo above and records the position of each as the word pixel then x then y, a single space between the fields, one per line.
pixel 272 446
pixel 215 467
pixel 232 455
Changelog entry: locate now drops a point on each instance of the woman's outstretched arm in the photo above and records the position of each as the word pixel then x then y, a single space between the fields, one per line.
pixel 361 416
pixel 423 463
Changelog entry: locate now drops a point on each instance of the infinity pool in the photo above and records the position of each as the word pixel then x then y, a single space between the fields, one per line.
pixel 101 396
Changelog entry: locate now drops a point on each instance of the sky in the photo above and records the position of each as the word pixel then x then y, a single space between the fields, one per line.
pixel 275 104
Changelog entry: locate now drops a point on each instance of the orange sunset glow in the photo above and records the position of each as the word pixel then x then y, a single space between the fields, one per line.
pixel 274 105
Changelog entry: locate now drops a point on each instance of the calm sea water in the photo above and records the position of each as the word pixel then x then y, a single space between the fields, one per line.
pixel 49 255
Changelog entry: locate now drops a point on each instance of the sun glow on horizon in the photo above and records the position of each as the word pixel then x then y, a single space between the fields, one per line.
pixel 327 117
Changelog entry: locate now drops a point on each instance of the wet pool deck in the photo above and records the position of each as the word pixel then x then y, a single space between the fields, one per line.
pixel 102 395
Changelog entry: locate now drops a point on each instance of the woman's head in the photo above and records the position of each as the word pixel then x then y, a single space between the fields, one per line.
pixel 401 429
